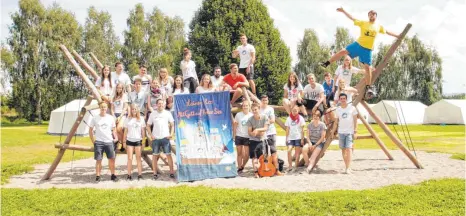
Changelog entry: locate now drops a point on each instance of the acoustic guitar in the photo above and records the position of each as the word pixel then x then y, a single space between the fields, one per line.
pixel 266 167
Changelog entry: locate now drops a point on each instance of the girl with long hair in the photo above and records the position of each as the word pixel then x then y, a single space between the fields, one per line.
pixel 188 67
pixel 119 109
pixel 292 94
pixel 206 85
pixel 135 130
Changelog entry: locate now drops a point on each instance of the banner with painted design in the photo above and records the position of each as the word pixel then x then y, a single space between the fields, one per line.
pixel 204 139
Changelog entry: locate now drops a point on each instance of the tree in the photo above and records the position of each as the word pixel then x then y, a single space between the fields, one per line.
pixel 41 79
pixel 310 53
pixel 214 34
pixel 154 39
pixel 100 38
pixel 413 73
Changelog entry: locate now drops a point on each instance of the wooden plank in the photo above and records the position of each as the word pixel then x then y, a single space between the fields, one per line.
pixel 378 70
pixel 374 135
pixel 391 135
pixel 81 73
pixel 96 61
pixel 85 65
pixel 280 123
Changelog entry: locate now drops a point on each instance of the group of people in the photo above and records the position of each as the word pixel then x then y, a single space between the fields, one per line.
pixel 134 106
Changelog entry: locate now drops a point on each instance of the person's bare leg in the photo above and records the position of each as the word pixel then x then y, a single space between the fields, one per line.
pixel 245 155
pixel 253 86
pixel 170 164
pixel 98 167
pixel 138 159
pixel 367 68
pixel 111 165
pixel 348 157
pixel 286 105
pixel 302 109
pixel 129 153
pixel 164 158
pixel 306 155
pixel 314 156
pixel 236 95
pixel 275 163
pixel 155 158
pixel 239 155
pixel 338 55
pixel 290 159
pixel 297 153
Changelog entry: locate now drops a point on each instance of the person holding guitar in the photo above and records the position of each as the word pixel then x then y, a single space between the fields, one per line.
pixel 258 124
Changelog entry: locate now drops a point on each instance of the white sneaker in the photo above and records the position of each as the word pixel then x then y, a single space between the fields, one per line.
pixel 348 171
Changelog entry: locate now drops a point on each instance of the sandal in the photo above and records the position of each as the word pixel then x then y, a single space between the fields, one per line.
pixel 156 176
pixel 256 174
pixel 240 170
pixel 172 175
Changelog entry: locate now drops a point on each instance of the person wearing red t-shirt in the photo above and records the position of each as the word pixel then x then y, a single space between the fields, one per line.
pixel 233 82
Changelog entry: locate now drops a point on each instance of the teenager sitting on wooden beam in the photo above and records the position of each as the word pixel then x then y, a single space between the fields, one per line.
pixel 233 82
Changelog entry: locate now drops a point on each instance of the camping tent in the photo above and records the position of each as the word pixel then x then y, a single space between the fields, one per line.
pixel 363 112
pixel 398 112
pixel 63 118
pixel 446 112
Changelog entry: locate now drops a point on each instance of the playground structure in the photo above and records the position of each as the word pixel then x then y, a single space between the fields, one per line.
pixel 330 136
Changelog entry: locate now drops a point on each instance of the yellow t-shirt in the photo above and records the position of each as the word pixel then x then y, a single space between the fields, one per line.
pixel 368 33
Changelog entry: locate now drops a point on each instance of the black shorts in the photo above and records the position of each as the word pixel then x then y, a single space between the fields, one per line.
pixel 240 99
pixel 241 141
pixel 256 148
pixel 310 104
pixel 250 75
pixel 191 84
pixel 329 98
pixel 134 144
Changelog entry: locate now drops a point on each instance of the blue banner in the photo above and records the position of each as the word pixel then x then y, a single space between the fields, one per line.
pixel 204 139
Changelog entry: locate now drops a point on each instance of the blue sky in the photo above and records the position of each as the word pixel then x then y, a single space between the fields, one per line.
pixel 437 23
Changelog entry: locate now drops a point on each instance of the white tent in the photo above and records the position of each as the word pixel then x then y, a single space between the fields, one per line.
pixel 363 112
pixel 63 118
pixel 398 112
pixel 446 112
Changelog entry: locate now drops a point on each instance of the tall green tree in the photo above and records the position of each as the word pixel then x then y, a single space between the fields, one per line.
pixel 41 78
pixel 413 73
pixel 100 38
pixel 214 34
pixel 154 39
pixel 310 52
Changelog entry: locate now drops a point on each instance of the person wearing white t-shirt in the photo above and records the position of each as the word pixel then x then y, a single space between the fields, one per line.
pixel 144 77
pixel 293 94
pixel 118 110
pixel 161 134
pixel 240 133
pixel 105 136
pixel 347 129
pixel 178 88
pixel 268 111
pixel 134 134
pixel 206 85
pixel 247 54
pixel 188 68
pixel 346 71
pixel 348 90
pixel 294 136
pixel 119 76
pixel 217 77
pixel 104 84
pixel 314 95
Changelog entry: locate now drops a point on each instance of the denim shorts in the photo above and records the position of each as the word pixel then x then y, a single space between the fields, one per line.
pixel 296 143
pixel 321 145
pixel 355 50
pixel 346 140
pixel 101 147
pixel 161 143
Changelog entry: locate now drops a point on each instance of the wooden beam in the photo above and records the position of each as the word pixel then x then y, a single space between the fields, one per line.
pixel 85 65
pixel 391 135
pixel 378 70
pixel 280 123
pixel 72 132
pixel 254 97
pixel 246 95
pixel 90 107
pixel 374 135
pixel 81 73
pixel 96 61
pixel 329 138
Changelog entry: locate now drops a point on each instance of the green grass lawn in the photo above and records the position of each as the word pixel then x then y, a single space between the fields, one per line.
pixel 435 197
pixel 24 146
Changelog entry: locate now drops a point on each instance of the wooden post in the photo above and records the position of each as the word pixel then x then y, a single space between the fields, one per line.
pixel 375 74
pixel 96 62
pixel 81 73
pixel 374 135
pixel 391 135
pixel 280 123
pixel 254 97
pixel 61 152
pixel 246 95
pixel 328 139
pixel 85 65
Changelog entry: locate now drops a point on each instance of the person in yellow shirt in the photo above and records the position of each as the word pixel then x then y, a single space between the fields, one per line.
pixel 362 48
